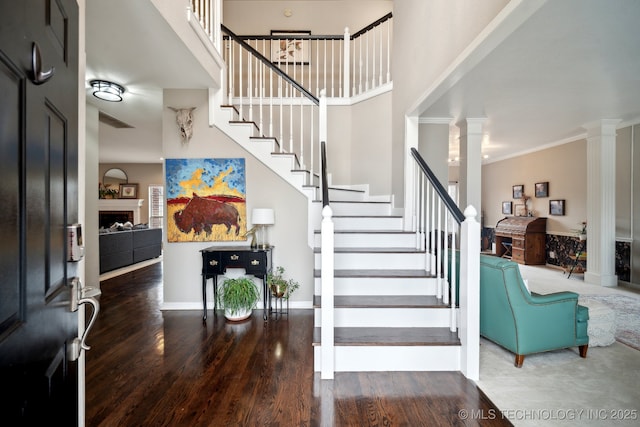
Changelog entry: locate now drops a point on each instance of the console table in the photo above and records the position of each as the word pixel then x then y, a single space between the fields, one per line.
pixel 216 260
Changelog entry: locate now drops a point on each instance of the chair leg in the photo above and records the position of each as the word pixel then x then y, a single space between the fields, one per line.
pixel 519 360
pixel 583 350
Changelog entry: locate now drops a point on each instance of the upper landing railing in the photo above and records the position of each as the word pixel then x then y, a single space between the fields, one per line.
pixel 345 65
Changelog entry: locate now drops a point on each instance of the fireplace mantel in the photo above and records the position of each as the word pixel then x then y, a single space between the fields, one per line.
pixel 123 205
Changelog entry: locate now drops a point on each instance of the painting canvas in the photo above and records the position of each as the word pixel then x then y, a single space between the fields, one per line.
pixel 206 200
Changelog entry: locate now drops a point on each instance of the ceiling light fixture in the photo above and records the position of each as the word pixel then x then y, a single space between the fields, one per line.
pixel 107 91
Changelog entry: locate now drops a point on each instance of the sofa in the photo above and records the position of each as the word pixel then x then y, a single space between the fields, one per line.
pixel 122 248
pixel 523 322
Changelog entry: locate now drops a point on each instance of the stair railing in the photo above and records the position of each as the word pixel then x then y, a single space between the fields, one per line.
pixel 344 65
pixel 280 107
pixel 327 355
pixel 442 228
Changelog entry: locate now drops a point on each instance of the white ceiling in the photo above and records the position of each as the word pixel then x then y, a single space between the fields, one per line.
pixel 571 63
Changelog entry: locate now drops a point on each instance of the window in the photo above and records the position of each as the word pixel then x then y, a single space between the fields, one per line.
pixel 156 206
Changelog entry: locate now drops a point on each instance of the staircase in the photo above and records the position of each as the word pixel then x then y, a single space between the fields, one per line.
pixel 387 315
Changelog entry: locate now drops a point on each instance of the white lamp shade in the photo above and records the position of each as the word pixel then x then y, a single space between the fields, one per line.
pixel 262 216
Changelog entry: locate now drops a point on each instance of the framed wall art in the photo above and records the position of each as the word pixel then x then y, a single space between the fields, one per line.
pixel 128 191
pixel 288 49
pixel 542 189
pixel 556 207
pixel 518 191
pixel 206 200
pixel 506 208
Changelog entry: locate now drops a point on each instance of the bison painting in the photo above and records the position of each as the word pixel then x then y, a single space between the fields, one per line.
pixel 201 214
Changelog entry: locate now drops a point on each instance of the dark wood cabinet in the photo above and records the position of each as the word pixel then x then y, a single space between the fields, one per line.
pixel 522 239
pixel 216 260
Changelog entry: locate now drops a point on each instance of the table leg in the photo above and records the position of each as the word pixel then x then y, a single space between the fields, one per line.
pixel 204 297
pixel 264 298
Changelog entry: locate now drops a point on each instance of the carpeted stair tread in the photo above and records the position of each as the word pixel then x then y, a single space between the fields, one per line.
pixel 391 337
pixel 383 301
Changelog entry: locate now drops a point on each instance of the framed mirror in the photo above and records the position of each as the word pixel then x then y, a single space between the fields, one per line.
pixel 114 177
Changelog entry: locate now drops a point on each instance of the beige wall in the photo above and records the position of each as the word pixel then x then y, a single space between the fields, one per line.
pixel 564 167
pixel 432 34
pixel 143 174
pixel 321 17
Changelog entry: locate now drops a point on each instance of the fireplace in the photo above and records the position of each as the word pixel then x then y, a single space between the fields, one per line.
pixel 107 218
pixel 118 210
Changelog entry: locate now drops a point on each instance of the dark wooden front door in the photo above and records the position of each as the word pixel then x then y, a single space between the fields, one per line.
pixel 38 195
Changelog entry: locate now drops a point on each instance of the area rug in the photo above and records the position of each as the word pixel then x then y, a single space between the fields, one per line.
pixel 627 311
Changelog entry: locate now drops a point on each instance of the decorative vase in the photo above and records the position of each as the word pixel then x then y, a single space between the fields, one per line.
pixel 278 290
pixel 238 315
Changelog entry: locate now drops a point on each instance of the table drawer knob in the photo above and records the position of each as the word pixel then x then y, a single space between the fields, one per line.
pixel 255 262
pixel 234 257
pixel 213 262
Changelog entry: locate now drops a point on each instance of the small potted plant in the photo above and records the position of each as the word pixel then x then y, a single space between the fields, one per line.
pixel 239 297
pixel 279 286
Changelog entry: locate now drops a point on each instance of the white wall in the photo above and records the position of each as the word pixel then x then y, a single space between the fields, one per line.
pixel 91 179
pixel 182 261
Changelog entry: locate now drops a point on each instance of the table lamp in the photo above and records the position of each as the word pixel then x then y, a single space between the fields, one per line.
pixel 262 218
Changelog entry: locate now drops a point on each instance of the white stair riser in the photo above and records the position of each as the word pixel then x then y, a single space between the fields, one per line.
pixel 370 240
pixel 367 223
pixel 388 317
pixel 388 261
pixel 349 196
pixel 360 208
pixel 392 358
pixel 380 286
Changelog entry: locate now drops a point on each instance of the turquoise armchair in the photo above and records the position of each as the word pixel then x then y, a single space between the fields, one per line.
pixel 525 323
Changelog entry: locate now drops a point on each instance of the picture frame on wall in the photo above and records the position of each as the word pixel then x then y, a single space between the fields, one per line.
pixel 506 208
pixel 288 49
pixel 128 191
pixel 518 191
pixel 556 207
pixel 542 189
pixel 520 210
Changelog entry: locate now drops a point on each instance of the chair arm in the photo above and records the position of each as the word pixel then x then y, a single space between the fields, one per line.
pixel 556 297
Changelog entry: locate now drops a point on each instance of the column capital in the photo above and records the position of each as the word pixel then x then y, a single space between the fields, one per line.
pixel 471 126
pixel 602 127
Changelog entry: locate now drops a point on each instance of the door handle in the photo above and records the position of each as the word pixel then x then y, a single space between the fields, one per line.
pixel 80 295
pixel 39 76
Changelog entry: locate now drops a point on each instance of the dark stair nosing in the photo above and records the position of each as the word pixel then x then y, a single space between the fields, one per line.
pixel 383 301
pixel 391 337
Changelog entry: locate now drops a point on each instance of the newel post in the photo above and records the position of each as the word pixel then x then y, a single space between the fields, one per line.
pixel 469 332
pixel 327 356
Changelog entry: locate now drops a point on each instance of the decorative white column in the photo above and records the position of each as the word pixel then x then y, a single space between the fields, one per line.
pixel 601 202
pixel 471 162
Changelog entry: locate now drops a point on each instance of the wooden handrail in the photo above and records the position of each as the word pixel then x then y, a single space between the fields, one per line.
pixel 269 64
pixel 372 25
pixel 325 184
pixel 439 188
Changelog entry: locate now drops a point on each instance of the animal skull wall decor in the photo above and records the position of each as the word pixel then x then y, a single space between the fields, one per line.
pixel 184 118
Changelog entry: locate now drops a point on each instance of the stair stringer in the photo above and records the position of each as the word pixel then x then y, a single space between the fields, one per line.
pixel 262 149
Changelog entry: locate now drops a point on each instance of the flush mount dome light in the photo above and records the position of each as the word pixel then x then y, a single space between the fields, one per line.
pixel 107 91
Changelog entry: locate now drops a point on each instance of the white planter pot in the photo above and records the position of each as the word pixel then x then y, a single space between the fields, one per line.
pixel 238 315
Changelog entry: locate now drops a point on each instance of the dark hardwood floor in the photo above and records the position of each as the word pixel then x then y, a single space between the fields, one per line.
pixel 152 368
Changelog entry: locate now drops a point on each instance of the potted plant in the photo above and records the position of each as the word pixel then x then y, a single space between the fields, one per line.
pixel 239 297
pixel 279 286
